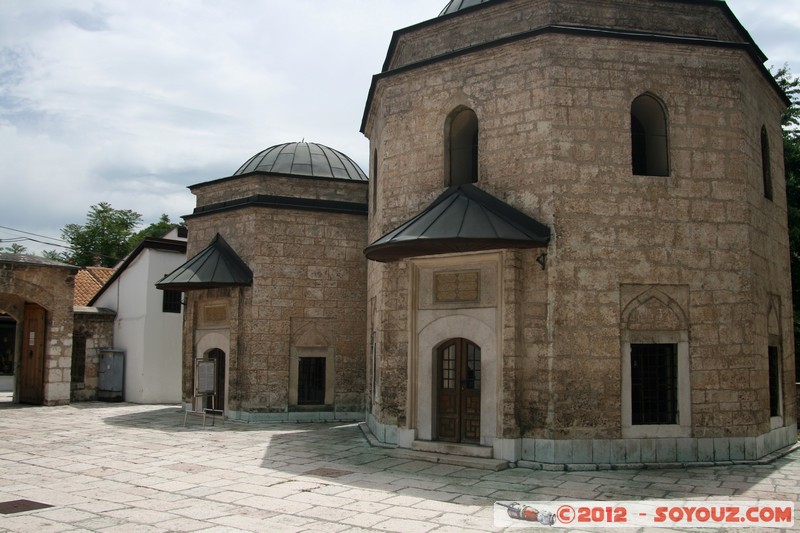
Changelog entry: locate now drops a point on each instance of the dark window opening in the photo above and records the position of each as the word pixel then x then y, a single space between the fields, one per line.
pixel 774 382
pixel 638 147
pixel 78 371
pixel 311 381
pixel 172 302
pixel 183 232
pixel 654 383
pixel 8 333
pixel 463 147
pixel 649 139
pixel 374 179
pixel 766 175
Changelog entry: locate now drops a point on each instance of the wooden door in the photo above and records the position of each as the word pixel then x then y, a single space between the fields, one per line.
pixel 32 355
pixel 459 391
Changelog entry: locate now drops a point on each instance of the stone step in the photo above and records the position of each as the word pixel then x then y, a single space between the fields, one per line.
pixel 452 448
pixel 466 461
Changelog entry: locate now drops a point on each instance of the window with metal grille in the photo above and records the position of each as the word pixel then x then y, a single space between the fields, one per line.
pixel 311 381
pixel 473 367
pixel 774 382
pixel 654 383
pixel 78 371
pixel 449 367
pixel 172 302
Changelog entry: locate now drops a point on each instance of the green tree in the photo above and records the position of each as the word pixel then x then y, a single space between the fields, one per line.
pixel 791 151
pixel 105 237
pixel 53 255
pixel 13 249
pixel 156 229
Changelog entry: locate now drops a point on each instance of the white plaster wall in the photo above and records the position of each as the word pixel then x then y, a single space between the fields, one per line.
pixel 163 335
pixel 151 338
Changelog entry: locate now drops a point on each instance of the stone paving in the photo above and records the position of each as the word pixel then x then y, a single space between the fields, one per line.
pixel 134 468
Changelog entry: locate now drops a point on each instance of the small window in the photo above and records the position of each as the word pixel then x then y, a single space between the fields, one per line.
pixel 78 371
pixel 463 147
pixel 311 381
pixel 774 382
pixel 172 301
pixel 649 143
pixel 654 384
pixel 766 175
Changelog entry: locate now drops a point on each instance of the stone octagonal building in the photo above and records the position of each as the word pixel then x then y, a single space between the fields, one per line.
pixel 576 246
pixel 654 322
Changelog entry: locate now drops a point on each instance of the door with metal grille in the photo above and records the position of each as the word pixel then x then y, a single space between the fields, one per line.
pixel 459 391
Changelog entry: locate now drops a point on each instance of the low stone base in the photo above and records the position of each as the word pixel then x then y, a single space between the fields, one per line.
pixel 313 416
pixel 662 450
pixel 591 454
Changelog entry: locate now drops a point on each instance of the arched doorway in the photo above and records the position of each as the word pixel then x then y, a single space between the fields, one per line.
pixel 217 401
pixel 458 391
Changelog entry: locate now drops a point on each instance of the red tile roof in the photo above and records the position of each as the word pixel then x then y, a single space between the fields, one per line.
pixel 88 282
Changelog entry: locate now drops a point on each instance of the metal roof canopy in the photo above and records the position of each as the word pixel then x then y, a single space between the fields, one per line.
pixel 462 219
pixel 217 265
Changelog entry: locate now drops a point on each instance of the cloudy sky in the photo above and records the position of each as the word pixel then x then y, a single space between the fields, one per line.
pixel 130 101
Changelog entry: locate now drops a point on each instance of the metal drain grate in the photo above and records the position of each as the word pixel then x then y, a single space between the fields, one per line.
pixel 327 472
pixel 21 506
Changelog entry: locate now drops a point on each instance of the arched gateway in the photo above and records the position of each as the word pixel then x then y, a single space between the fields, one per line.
pixel 37 294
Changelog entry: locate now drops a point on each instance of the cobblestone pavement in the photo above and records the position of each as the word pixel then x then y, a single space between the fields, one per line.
pixel 124 467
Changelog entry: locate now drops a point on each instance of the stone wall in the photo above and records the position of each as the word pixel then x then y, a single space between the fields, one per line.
pixel 554 142
pixel 28 279
pixel 308 298
pixel 97 327
pixel 506 19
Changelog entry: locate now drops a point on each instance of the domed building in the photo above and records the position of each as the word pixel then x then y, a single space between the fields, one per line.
pixel 274 325
pixel 578 242
pixel 572 247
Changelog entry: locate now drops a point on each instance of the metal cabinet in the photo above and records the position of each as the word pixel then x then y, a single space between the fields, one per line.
pixel 111 375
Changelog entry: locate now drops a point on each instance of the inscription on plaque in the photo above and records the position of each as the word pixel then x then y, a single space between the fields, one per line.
pixel 457 286
pixel 215 313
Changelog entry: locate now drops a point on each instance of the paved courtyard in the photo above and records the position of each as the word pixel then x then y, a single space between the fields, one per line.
pixel 124 467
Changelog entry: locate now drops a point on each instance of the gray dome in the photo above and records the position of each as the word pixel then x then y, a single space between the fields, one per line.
pixel 458 5
pixel 304 159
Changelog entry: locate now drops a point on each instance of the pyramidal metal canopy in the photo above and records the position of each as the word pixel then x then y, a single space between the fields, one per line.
pixel 217 265
pixel 462 219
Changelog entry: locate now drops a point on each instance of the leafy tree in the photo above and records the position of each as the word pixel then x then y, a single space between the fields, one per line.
pixel 105 237
pixel 53 255
pixel 156 229
pixel 13 249
pixel 791 150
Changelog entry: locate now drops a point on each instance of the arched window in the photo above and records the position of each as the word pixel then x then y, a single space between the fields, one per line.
pixel 649 139
pixel 462 147
pixel 766 175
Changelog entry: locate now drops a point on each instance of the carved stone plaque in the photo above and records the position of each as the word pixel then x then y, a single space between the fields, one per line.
pixel 457 286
